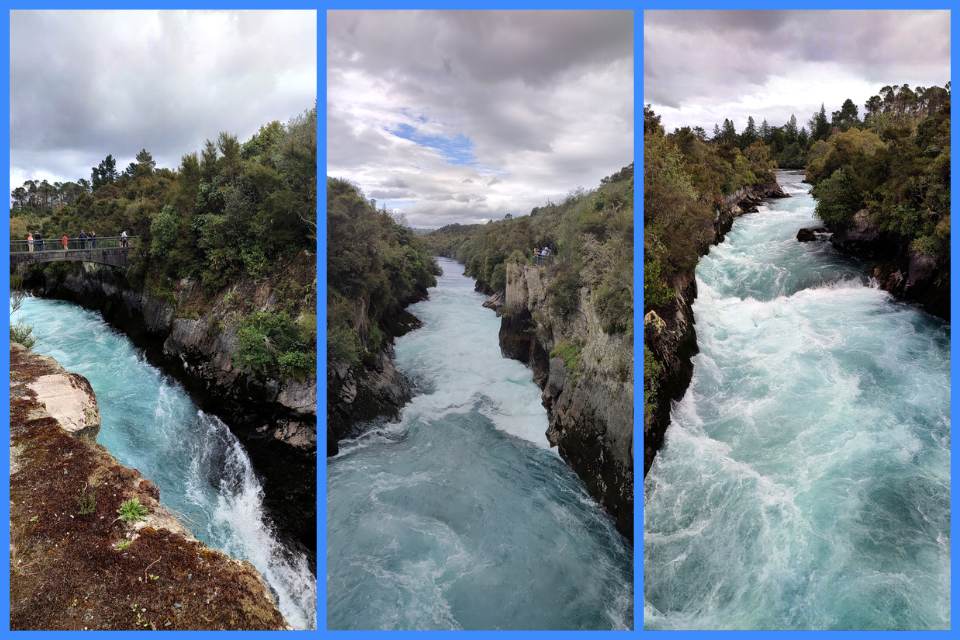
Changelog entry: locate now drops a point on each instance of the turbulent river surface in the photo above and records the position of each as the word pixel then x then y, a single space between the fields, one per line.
pixel 151 424
pixel 805 480
pixel 459 515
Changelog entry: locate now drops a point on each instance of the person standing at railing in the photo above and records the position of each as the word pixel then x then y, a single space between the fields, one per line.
pixel 123 239
pixel 83 239
pixel 65 241
pixel 38 240
pixel 93 237
pixel 30 243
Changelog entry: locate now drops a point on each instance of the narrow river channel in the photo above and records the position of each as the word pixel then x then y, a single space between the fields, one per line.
pixel 148 422
pixel 459 516
pixel 805 479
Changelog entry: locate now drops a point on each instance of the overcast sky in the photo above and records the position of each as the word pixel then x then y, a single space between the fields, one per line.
pixel 465 116
pixel 700 67
pixel 85 84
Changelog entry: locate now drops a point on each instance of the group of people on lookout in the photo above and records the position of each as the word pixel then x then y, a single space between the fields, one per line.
pixel 541 254
pixel 36 240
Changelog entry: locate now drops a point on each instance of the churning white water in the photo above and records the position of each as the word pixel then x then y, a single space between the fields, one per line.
pixel 151 424
pixel 805 479
pixel 459 516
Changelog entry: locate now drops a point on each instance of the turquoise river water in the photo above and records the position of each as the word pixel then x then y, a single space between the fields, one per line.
pixel 459 516
pixel 805 479
pixel 148 422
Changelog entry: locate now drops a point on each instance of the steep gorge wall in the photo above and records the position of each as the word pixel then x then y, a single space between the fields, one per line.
pixel 588 394
pixel 275 419
pixel 671 334
pixel 76 570
pixel 371 390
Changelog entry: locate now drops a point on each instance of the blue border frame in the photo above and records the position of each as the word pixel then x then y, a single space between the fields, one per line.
pixel 321 240
pixel 638 259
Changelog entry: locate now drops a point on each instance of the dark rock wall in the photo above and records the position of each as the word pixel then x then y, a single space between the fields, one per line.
pixel 905 273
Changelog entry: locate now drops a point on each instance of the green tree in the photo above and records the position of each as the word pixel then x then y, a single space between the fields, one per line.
pixel 846 117
pixel 837 198
pixel 208 160
pixel 105 173
pixel 229 162
pixel 750 134
pixel 790 132
pixel 146 161
pixel 819 125
pixel 164 231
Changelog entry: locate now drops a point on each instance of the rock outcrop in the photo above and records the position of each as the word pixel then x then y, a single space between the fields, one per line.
pixel 587 380
pixel 193 338
pixel 73 563
pixel 812 235
pixel 670 333
pixel 372 390
pixel 906 273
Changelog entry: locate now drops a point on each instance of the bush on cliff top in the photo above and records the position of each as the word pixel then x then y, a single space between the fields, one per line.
pixel 372 260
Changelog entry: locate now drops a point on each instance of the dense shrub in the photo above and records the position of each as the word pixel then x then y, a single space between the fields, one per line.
pixel 370 258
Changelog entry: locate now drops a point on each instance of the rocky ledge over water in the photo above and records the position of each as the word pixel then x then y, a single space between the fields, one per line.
pixel 906 273
pixel 669 332
pixel 193 337
pixel 587 380
pixel 75 568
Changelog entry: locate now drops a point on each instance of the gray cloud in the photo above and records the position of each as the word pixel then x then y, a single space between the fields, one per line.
pixel 530 90
pixel 392 194
pixel 87 84
pixel 708 65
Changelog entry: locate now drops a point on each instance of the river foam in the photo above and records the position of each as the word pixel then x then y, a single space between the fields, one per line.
pixel 459 516
pixel 805 479
pixel 149 422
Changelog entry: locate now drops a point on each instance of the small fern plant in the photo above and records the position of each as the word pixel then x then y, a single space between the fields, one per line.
pixel 132 510
pixel 86 502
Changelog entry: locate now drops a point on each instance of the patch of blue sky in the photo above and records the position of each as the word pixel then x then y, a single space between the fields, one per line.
pixel 396 204
pixel 455 150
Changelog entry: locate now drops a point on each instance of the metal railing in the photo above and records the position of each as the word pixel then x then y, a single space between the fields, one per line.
pixel 544 261
pixel 74 244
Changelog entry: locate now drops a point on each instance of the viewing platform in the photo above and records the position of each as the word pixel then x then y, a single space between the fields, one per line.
pixel 111 251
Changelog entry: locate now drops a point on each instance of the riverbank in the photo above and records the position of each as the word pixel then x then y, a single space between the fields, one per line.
pixel 75 568
pixel 669 332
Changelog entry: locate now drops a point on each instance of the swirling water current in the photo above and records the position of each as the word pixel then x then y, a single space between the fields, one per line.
pixel 459 516
pixel 148 422
pixel 805 479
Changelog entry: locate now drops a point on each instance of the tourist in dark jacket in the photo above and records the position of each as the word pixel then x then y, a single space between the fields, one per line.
pixel 38 240
pixel 83 239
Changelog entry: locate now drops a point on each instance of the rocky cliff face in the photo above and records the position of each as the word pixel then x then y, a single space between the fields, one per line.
pixel 73 568
pixel 372 389
pixel 670 333
pixel 587 384
pixel 193 339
